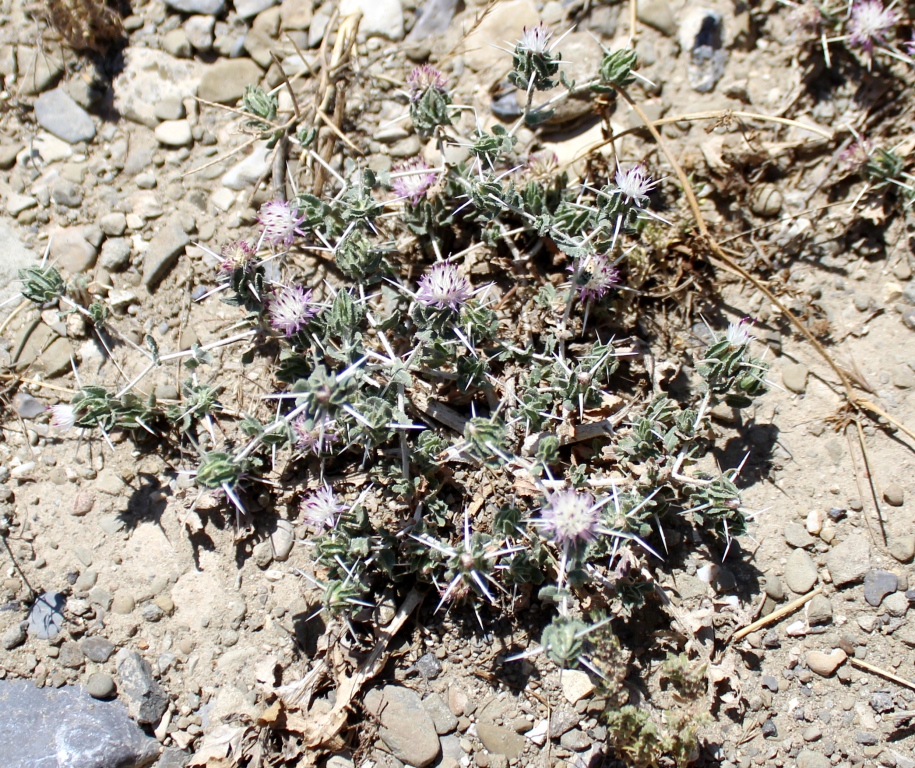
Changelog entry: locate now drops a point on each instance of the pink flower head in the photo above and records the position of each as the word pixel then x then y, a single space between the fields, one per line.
pixel 414 185
pixel 63 417
pixel 598 277
pixel 280 222
pixel 444 287
pixel 311 437
pixel 569 517
pixel 236 255
pixel 634 184
pixel 738 333
pixel 290 308
pixel 542 164
pixel 869 24
pixel 422 78
pixel 536 39
pixel 321 508
pixel 856 154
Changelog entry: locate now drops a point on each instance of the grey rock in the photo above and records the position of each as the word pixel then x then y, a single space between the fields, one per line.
pixel 248 9
pixel 97 649
pixel 72 251
pixel 171 108
pixel 282 540
pixel 177 758
pixel 71 656
pixel 67 727
pixel 383 18
pixel 123 602
pixel 229 37
pixel 100 686
pixel 809 759
pixel 47 616
pixel 769 730
pixel 113 224
pixel 115 256
pixel 428 666
pixel 86 581
pixel 562 719
pixel 13 637
pixel 894 495
pixel 262 554
pixel 768 681
pixel 317 29
pixel 444 720
pixel 174 133
pixel 575 740
pixel 897 604
pixel 657 14
pixel 208 7
pixel 57 113
pixel 199 31
pixel 434 19
pixel 702 33
pixel 794 377
pixel 406 727
pixel 15 257
pixel 766 200
pixel 27 406
pixel 148 77
pixel 796 535
pixel 175 42
pixel 246 173
pixel 850 560
pixel 501 741
pixel 163 252
pixel 879 584
pixel 819 610
pixel 800 572
pixel 146 701
pixel 882 702
pixel 866 738
pixel 225 81
pixel 38 70
pixel 67 193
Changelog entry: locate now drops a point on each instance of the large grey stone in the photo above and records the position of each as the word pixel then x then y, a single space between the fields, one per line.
pixel 434 19
pixel 501 741
pixel 379 17
pixel 57 113
pixel 71 250
pixel 164 250
pixel 65 727
pixel 15 257
pixel 146 701
pixel 148 77
pixel 850 560
pixel 225 81
pixel 248 9
pixel 47 616
pixel 206 7
pixel 406 727
pixel 800 572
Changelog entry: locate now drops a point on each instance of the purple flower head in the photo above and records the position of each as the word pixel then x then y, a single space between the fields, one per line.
pixel 738 333
pixel 311 437
pixel 422 78
pixel 413 186
pixel 444 287
pixel 236 255
pixel 280 222
pixel 63 417
pixel 569 517
pixel 597 277
pixel 290 308
pixel 869 24
pixel 321 508
pixel 634 184
pixel 542 164
pixel 536 39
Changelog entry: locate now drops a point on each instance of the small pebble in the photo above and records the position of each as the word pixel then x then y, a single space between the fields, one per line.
pixel 100 685
pixel 825 664
pixel 794 377
pixel 878 584
pixel 894 495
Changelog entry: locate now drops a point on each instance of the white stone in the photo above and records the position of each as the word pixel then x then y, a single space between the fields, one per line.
pixel 815 522
pixel 246 172
pixel 576 685
pixel 148 77
pixel 379 17
pixel 223 199
pixel 174 133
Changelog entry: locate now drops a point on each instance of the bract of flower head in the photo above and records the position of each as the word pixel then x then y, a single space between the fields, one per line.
pixel 424 77
pixel 321 508
pixel 536 39
pixel 311 437
pixel 597 277
pixel 569 517
pixel 290 308
pixel 444 287
pixel 279 222
pixel 415 185
pixel 869 23
pixel 63 417
pixel 236 255
pixel 543 164
pixel 635 183
pixel 738 333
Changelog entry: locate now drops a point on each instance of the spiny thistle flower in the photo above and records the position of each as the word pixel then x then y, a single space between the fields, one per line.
pixel 311 437
pixel 321 508
pixel 855 155
pixel 290 308
pixel 422 78
pixel 869 24
pixel 634 184
pixel 415 185
pixel 536 39
pixel 236 255
pixel 63 417
pixel 738 333
pixel 596 278
pixel 279 222
pixel 444 287
pixel 542 165
pixel 569 517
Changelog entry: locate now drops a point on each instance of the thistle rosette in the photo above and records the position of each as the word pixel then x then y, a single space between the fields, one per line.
pixel 534 63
